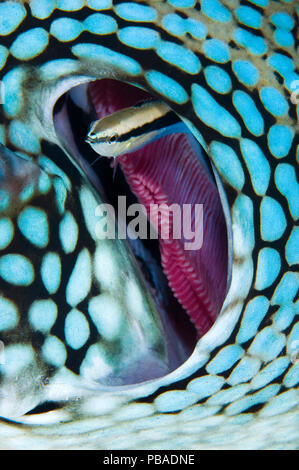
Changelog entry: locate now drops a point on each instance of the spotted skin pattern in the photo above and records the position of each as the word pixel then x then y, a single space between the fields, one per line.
pixel 229 69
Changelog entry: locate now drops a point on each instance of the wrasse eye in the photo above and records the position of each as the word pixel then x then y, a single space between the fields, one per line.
pixel 113 138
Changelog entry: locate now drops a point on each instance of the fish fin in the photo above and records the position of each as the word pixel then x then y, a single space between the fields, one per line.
pixel 115 165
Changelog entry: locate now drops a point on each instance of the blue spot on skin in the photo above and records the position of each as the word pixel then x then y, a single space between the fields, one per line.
pixel 242 405
pixel 205 386
pixel 284 317
pixel 44 182
pixel 89 208
pixel 8 315
pixel 100 24
pixel 16 269
pixel 267 344
pixel 292 252
pixel 99 4
pixel 55 68
pixel 283 37
pixel 249 113
pixel 215 10
pixel 273 221
pixel 96 363
pixel 268 268
pixel 12 83
pixel 42 315
pixel 212 114
pixel 42 9
pixel 273 101
pixel 257 165
pixel 182 3
pixel 291 378
pixel 286 182
pixel 51 168
pixel 225 359
pixel 108 327
pixel 178 26
pixel 249 16
pixel 27 192
pixel 293 339
pixel 179 56
pixel 66 5
pixel 22 137
pixel 51 272
pixel 174 24
pixel 6 232
pixel 2 132
pixel 166 86
pixel 282 402
pixel 227 396
pixel 260 3
pixel 76 329
pixel 174 401
pixel 107 56
pixel 3 56
pixel 138 37
pixel 246 72
pixel 30 44
pixel 254 313
pixel 134 12
pixel 216 50
pixel 228 164
pixel 54 352
pixel 286 290
pixel 17 358
pixel 66 29
pixel 11 15
pixel 282 20
pixel 33 224
pixel 247 368
pixel 68 233
pixel 79 282
pixel 255 44
pixel 218 79
pixel 196 28
pixel 243 216
pixel 61 193
pixel 4 200
pixel 280 140
pixel 291 84
pixel 282 64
